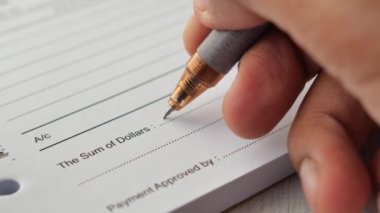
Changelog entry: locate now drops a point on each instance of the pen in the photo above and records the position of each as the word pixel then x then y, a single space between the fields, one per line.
pixel 214 58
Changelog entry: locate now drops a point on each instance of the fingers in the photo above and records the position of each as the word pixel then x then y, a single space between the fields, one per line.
pixel 272 73
pixel 341 36
pixel 376 175
pixel 225 14
pixel 375 166
pixel 194 34
pixel 323 145
pixel 270 77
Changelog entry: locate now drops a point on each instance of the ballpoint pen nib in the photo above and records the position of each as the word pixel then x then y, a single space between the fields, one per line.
pixel 168 112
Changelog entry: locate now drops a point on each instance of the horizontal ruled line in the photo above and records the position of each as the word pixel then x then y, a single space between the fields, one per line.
pixel 151 151
pixel 102 67
pixel 104 123
pixel 105 99
pixel 109 80
pixel 98 39
pixel 118 17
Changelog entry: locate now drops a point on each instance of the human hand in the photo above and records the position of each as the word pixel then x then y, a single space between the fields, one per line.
pixel 335 38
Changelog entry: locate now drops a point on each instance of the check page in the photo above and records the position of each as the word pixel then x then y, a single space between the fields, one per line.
pixel 84 86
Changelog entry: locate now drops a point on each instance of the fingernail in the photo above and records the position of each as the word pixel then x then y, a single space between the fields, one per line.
pixel 309 178
pixel 202 5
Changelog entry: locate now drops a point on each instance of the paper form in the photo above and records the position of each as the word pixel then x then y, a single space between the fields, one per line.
pixel 84 86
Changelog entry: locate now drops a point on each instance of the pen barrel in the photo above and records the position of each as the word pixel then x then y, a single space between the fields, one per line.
pixel 222 49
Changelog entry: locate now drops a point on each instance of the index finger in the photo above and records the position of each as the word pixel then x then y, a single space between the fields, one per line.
pixel 195 32
pixel 341 36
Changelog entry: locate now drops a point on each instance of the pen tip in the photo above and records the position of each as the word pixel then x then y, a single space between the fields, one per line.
pixel 168 112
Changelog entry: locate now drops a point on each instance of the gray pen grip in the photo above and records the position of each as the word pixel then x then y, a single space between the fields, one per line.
pixel 222 49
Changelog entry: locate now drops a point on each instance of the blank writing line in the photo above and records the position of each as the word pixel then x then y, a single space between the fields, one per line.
pixel 28 24
pixel 87 72
pixel 106 99
pixel 256 141
pixel 104 123
pixel 92 41
pixel 79 60
pixel 57 25
pixel 190 111
pixel 50 5
pixel 61 38
pixel 117 77
pixel 151 151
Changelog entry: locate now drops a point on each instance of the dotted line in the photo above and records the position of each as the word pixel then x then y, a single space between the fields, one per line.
pixel 189 112
pixel 149 152
pixel 255 141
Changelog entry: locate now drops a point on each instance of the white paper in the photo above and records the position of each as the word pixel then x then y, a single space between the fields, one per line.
pixel 84 86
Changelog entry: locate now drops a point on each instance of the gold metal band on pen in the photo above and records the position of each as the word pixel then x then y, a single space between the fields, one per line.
pixel 197 78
